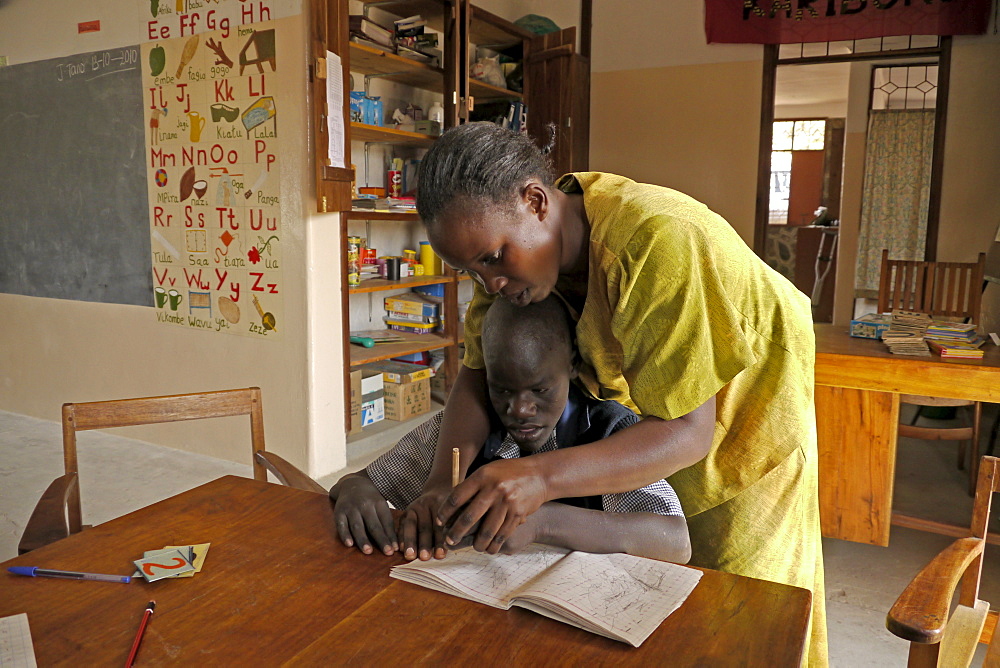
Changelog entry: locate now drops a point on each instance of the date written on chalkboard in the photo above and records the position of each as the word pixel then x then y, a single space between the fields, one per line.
pixel 98 64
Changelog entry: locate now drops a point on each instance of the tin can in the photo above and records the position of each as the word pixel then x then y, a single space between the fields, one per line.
pixel 395 182
pixel 392 268
pixel 353 261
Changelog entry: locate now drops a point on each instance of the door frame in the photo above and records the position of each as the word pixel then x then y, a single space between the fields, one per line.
pixel 771 61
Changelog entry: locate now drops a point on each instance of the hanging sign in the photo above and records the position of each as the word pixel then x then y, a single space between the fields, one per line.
pixel 798 21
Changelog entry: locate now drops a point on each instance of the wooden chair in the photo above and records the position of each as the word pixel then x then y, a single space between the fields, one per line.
pixel 921 613
pixel 58 512
pixel 950 290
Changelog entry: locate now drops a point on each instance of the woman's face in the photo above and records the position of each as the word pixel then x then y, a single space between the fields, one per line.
pixel 515 254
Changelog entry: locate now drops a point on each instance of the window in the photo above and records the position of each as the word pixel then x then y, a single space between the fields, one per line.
pixel 789 136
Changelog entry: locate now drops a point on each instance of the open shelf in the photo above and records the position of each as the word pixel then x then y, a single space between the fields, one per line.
pixel 381 284
pixel 489 30
pixel 390 67
pixel 484 92
pixel 385 135
pixel 412 343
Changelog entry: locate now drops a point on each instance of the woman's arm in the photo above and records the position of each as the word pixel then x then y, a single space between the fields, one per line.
pixel 465 426
pixel 504 493
pixel 663 537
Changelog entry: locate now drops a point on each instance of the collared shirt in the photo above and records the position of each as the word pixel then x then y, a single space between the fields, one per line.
pixel 399 474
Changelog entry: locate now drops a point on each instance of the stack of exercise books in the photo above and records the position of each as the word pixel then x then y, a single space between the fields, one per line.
pixel 905 335
pixel 955 340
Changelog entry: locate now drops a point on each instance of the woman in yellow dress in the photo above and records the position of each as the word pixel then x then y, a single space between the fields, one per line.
pixel 677 319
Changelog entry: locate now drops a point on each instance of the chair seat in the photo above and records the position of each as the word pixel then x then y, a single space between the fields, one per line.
pixel 922 400
pixel 937 433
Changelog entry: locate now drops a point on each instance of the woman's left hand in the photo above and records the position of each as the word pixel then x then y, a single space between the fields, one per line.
pixel 499 496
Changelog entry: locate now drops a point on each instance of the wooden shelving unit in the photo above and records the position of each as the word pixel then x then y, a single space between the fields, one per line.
pixel 462 27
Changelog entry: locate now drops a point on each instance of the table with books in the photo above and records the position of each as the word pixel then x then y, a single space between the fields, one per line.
pixel 279 588
pixel 858 383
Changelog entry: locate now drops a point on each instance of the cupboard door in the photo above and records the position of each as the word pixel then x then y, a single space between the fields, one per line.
pixel 559 92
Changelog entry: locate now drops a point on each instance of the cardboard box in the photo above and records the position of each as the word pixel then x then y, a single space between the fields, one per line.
pixel 412 303
pixel 401 372
pixel 871 326
pixel 355 425
pixel 372 411
pixel 406 400
pixel 371 381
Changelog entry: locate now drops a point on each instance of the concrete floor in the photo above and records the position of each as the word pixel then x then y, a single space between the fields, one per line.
pixel 119 475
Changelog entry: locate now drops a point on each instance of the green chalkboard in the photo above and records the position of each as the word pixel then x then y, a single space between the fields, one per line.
pixel 74 218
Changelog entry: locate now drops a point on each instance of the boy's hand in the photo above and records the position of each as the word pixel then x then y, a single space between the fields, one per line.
pixel 522 536
pixel 421 537
pixel 361 511
pixel 502 494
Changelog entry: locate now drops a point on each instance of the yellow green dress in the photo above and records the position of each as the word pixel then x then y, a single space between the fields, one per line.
pixel 679 309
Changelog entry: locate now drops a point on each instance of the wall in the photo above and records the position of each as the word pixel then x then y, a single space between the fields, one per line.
pixel 54 351
pixel 668 108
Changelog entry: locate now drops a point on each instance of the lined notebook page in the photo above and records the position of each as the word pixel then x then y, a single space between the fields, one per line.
pixel 16 650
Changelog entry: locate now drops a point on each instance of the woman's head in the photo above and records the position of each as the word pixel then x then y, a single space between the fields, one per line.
pixel 478 161
pixel 485 195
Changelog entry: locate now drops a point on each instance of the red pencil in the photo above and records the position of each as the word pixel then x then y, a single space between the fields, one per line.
pixel 138 636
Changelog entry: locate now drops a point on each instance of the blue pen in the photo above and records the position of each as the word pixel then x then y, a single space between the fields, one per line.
pixel 34 571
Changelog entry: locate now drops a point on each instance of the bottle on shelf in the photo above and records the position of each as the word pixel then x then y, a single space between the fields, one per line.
pixel 436 113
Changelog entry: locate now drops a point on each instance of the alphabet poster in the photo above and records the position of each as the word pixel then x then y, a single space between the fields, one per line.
pixel 211 113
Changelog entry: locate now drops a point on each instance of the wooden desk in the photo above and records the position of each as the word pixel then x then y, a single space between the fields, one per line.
pixel 858 383
pixel 278 587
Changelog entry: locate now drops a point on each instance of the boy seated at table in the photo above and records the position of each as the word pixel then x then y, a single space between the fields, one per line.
pixel 534 407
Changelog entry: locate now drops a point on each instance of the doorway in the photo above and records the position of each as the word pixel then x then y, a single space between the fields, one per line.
pixel 833 82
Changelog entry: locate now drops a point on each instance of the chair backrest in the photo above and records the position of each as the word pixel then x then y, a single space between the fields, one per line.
pixel 153 410
pixel 949 289
pixel 987 485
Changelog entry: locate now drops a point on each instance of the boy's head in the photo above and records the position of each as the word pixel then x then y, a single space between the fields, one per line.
pixel 529 356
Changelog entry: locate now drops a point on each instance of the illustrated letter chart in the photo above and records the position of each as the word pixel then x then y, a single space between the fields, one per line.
pixel 213 177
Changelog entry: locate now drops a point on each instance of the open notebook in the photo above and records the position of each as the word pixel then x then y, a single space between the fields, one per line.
pixel 614 595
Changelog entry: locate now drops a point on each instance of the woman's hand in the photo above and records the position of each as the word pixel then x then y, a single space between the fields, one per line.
pixel 363 516
pixel 499 496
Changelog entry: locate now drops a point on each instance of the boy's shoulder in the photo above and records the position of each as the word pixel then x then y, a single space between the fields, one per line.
pixel 605 417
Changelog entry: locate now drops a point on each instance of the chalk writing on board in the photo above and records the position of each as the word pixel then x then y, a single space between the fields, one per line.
pixel 97 64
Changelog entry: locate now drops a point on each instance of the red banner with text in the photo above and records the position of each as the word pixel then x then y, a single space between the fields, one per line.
pixel 795 21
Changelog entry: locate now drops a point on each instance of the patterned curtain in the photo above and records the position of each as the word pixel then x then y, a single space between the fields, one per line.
pixel 896 190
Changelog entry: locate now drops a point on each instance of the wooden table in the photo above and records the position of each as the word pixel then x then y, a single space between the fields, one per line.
pixel 279 588
pixel 858 383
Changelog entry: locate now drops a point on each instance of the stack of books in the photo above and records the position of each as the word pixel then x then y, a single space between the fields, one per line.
pixel 366 31
pixel 413 313
pixel 957 349
pixel 905 335
pixel 954 339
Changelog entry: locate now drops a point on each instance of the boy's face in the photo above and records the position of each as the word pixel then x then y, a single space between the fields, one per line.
pixel 529 395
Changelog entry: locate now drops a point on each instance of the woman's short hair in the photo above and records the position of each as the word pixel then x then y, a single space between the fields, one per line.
pixel 481 161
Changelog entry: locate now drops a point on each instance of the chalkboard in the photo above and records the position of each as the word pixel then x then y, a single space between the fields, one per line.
pixel 74 216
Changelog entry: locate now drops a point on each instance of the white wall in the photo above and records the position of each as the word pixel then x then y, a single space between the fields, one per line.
pixel 62 350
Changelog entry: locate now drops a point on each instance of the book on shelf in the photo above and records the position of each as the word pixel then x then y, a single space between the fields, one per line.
pixel 378 335
pixel 362 25
pixel 367 41
pixel 410 26
pixel 618 596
